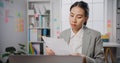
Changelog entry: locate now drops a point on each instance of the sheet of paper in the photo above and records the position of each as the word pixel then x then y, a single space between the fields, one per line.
pixel 59 46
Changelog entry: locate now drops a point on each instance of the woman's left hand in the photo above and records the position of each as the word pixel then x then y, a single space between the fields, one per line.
pixel 77 54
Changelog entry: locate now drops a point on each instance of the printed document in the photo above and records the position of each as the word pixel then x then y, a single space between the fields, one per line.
pixel 59 46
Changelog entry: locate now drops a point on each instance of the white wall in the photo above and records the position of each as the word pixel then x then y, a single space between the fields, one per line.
pixel 9 36
pixel 56 17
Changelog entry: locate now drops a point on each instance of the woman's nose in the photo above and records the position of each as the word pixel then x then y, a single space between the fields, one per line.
pixel 74 20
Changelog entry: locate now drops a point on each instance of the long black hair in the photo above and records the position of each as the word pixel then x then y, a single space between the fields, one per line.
pixel 82 5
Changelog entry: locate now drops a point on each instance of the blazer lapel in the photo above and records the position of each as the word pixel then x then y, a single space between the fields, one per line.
pixel 67 36
pixel 86 41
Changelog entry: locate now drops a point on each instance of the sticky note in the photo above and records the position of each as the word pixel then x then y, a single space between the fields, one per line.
pixel 1 4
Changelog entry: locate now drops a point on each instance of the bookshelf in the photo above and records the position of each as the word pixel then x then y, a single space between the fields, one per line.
pixel 38 24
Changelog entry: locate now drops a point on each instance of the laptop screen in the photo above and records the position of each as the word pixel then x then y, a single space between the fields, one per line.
pixel 44 59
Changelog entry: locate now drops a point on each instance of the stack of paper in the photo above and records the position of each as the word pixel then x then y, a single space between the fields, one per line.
pixel 59 46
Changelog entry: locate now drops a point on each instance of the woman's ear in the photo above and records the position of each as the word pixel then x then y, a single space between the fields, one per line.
pixel 86 18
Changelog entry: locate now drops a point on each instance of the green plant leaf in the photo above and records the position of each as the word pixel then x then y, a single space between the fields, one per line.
pixel 5 55
pixel 21 52
pixel 22 48
pixel 22 45
pixel 17 54
pixel 10 49
pixel 1 61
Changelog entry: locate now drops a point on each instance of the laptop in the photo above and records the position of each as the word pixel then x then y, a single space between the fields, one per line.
pixel 45 59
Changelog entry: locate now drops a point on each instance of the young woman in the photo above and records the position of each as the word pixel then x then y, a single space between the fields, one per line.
pixel 83 41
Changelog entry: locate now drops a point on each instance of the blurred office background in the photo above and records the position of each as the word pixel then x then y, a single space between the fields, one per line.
pixel 104 17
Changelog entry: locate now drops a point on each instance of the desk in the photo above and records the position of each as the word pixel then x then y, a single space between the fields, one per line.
pixel 108 51
pixel 111 44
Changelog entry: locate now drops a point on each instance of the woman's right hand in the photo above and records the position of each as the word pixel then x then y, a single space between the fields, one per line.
pixel 49 51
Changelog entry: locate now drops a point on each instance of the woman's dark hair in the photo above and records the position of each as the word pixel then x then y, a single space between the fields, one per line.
pixel 82 5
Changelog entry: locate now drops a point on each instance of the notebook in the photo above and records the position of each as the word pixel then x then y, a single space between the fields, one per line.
pixel 45 59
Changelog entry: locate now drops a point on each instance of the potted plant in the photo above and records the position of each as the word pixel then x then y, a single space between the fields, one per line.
pixel 12 51
pixel 1 61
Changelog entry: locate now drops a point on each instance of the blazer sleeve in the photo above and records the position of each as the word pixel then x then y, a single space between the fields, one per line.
pixel 98 51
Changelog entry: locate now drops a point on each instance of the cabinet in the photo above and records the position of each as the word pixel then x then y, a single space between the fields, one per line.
pixel 38 24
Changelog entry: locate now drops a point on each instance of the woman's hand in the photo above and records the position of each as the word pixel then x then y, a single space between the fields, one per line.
pixel 77 54
pixel 49 51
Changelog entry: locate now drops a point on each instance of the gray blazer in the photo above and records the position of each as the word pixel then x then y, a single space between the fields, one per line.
pixel 92 45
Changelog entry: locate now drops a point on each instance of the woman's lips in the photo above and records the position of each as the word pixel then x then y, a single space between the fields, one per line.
pixel 73 24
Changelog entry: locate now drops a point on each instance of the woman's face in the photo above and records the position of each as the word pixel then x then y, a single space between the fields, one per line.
pixel 77 18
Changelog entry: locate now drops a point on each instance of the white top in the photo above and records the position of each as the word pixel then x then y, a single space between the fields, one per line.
pixel 75 43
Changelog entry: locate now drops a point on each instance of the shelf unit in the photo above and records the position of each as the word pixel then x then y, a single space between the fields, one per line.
pixel 38 24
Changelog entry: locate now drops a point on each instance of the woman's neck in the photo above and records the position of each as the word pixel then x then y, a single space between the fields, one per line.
pixel 75 30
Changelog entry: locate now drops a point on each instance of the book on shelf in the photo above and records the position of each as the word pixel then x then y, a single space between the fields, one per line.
pixel 36 9
pixel 40 21
pixel 44 21
pixel 39 8
pixel 42 9
pixel 46 32
pixel 33 35
pixel 39 35
pixel 32 22
pixel 31 6
pixel 31 50
pixel 36 48
pixel 41 48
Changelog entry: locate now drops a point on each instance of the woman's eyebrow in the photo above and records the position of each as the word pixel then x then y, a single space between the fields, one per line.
pixel 71 13
pixel 79 15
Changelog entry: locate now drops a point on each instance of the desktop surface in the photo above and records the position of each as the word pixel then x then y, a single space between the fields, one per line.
pixel 44 59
